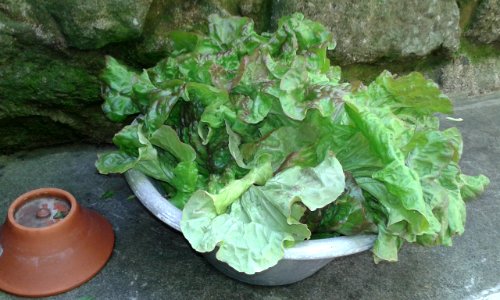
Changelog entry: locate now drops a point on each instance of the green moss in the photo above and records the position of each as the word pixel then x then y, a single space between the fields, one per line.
pixel 362 72
pixel 478 52
pixel 366 73
pixel 36 77
pixel 48 98
pixel 49 93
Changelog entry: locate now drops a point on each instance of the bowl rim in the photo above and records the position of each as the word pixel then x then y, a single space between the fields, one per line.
pixel 42 192
pixel 327 248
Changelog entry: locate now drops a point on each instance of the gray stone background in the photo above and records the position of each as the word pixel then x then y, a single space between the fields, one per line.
pixel 52 51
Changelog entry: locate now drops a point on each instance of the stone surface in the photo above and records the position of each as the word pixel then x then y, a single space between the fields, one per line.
pixel 462 75
pixel 485 26
pixel 94 24
pixel 151 261
pixel 368 30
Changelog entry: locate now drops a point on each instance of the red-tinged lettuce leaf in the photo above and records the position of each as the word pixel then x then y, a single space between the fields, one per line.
pixel 348 215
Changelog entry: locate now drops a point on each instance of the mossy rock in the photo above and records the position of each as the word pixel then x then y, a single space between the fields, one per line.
pixel 46 85
pixel 94 24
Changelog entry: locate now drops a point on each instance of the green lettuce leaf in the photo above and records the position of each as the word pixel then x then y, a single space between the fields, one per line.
pixel 115 162
pixel 186 181
pixel 123 91
pixel 472 186
pixel 166 138
pixel 407 165
pixel 251 237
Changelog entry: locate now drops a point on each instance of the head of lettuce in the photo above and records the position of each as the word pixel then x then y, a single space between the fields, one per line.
pixel 256 139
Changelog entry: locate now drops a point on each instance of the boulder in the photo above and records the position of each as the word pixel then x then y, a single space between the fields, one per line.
pixel 485 24
pixel 94 24
pixel 366 31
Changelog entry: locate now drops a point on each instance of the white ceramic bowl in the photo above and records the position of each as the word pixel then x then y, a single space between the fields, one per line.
pixel 300 261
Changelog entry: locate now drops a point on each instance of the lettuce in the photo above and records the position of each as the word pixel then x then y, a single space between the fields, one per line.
pixel 252 227
pixel 256 138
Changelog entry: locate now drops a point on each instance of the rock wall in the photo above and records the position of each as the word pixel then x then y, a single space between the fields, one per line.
pixel 51 52
pixel 369 30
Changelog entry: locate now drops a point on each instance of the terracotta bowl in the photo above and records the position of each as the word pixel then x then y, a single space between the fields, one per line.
pixel 65 250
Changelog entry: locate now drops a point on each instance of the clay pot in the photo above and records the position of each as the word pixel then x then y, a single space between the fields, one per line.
pixel 47 248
